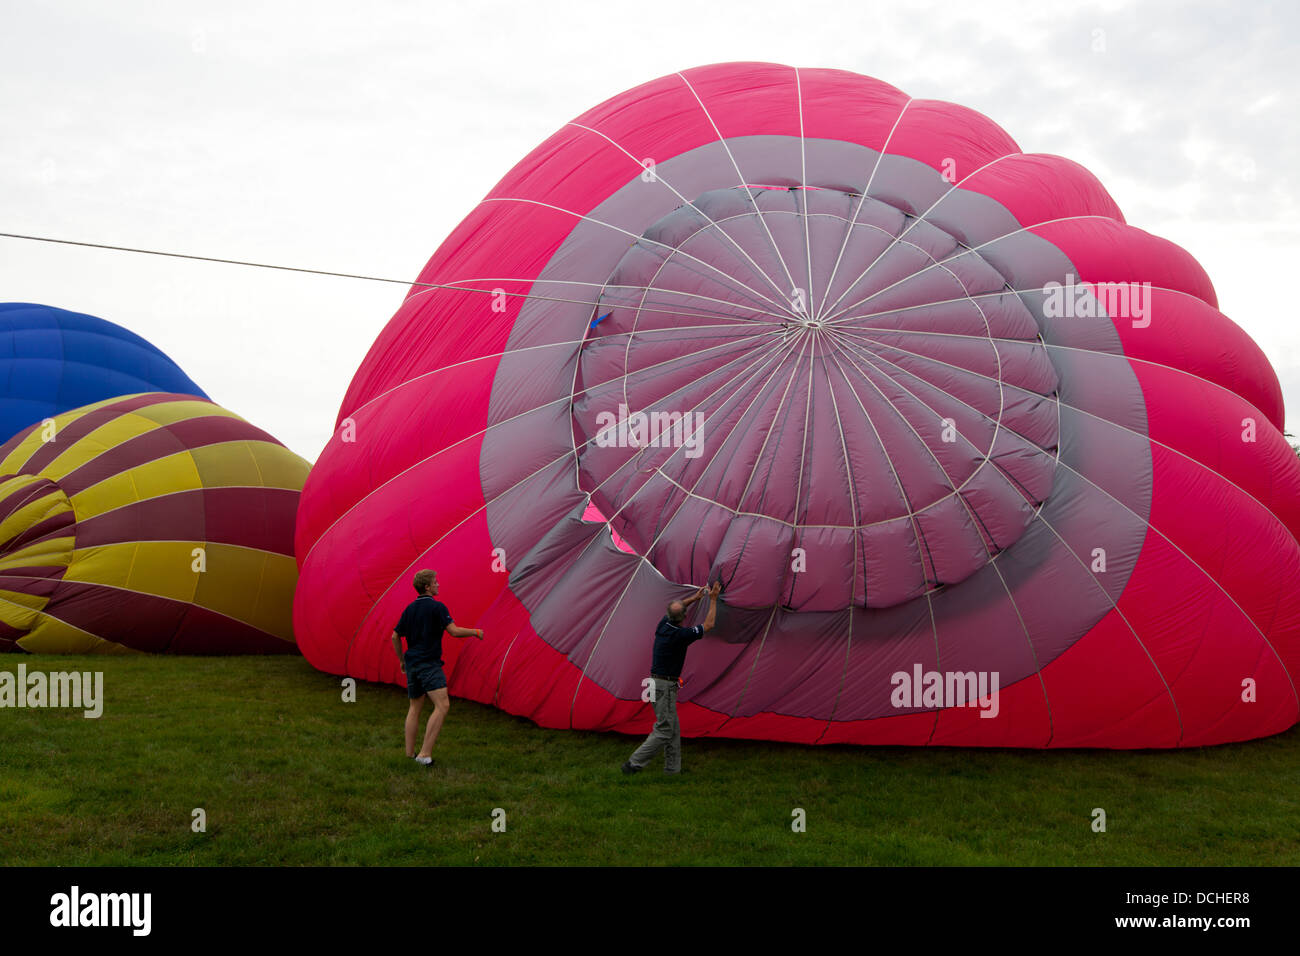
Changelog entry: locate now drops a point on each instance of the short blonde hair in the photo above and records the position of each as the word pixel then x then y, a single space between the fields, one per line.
pixel 423 579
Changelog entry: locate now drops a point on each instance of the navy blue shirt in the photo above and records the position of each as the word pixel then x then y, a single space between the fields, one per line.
pixel 422 624
pixel 671 642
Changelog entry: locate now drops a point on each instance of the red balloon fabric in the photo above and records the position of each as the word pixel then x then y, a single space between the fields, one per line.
pixel 979 463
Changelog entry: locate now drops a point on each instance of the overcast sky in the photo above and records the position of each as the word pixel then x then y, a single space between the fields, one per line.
pixel 354 137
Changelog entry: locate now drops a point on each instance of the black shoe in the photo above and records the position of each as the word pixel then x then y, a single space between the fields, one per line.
pixel 629 767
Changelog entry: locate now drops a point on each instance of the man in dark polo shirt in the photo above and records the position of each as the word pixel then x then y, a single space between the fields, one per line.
pixel 671 641
pixel 422 624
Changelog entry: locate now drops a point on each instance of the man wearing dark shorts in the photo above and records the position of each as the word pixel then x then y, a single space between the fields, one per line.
pixel 671 641
pixel 422 624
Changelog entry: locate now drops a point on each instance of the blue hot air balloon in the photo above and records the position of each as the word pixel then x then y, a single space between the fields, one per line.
pixel 53 360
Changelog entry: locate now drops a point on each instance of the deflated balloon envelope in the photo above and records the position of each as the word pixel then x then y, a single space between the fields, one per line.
pixel 940 419
pixel 53 360
pixel 153 522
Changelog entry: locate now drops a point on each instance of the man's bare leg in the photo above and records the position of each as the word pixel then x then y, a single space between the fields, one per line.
pixel 441 704
pixel 413 724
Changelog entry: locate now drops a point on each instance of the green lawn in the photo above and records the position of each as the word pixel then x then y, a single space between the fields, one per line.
pixel 289 774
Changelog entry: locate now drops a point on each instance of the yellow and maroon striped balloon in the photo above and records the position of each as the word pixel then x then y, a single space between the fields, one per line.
pixel 154 522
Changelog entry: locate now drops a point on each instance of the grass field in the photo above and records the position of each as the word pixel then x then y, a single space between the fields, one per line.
pixel 287 773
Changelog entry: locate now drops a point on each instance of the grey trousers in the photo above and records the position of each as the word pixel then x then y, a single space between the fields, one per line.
pixel 667 733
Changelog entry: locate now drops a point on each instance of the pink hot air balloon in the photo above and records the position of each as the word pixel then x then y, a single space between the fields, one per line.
pixel 978 462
